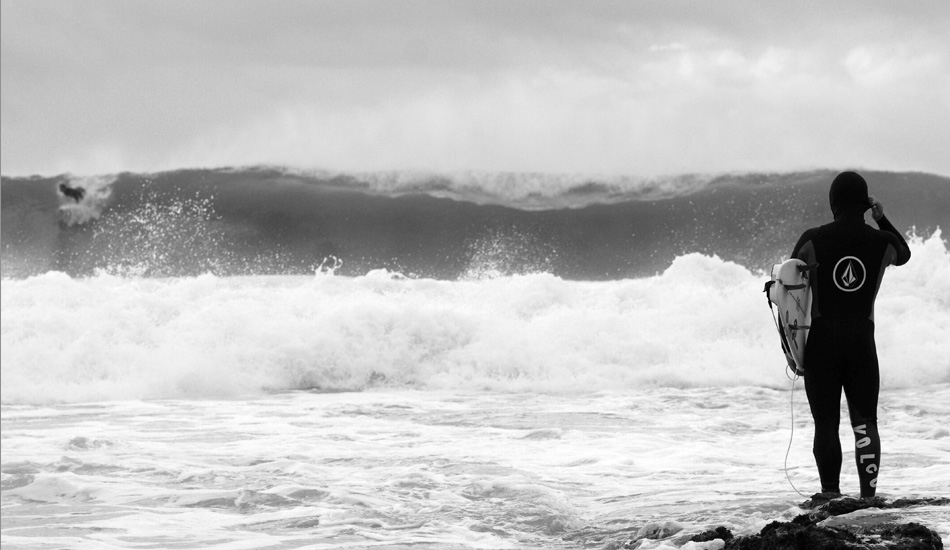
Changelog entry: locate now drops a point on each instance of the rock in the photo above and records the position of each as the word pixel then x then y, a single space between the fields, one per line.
pixel 912 535
pixel 792 536
pixel 720 533
pixel 819 499
pixel 833 522
pixel 814 531
pixel 907 502
pixel 847 505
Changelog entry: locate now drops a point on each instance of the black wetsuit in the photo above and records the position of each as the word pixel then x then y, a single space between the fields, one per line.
pixel 840 353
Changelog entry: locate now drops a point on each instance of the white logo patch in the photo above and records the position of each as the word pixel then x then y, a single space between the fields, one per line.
pixel 849 274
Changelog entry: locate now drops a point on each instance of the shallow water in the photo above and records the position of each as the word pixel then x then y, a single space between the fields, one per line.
pixel 394 468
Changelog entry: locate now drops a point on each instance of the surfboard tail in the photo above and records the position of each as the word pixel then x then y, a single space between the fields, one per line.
pixel 789 291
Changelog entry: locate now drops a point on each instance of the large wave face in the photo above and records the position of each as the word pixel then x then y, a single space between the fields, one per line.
pixel 274 221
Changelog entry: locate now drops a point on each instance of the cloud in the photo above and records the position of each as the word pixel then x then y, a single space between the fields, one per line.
pixel 891 65
pixel 644 88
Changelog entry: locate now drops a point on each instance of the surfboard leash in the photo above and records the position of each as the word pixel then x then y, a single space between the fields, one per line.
pixel 791 435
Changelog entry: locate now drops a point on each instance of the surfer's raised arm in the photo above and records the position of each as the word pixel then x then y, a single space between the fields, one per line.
pixel 901 252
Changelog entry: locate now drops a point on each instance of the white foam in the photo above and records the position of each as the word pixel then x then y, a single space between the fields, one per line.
pixel 703 322
pixel 444 469
pixel 64 487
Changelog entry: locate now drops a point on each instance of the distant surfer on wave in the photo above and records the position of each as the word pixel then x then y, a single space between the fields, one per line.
pixel 76 193
pixel 840 353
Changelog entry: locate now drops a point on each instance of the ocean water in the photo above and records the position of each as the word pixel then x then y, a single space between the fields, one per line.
pixel 453 382
pixel 269 221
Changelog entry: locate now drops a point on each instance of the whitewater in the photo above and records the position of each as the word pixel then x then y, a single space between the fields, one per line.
pixel 702 322
pixel 391 410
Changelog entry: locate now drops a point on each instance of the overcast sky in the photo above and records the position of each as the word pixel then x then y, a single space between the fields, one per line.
pixel 633 87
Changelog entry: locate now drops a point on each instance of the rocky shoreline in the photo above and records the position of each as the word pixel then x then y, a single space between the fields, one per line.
pixel 825 527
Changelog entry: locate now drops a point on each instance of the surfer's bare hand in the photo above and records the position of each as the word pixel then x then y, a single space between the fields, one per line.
pixel 877 209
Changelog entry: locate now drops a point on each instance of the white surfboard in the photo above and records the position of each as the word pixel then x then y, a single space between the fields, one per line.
pixel 790 291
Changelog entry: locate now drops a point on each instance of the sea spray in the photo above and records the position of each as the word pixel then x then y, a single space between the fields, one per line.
pixel 506 251
pixel 159 238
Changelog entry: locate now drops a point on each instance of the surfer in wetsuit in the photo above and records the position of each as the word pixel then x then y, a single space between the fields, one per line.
pixel 76 193
pixel 840 353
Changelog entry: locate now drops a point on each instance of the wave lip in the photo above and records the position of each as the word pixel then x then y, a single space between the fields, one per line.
pixel 530 191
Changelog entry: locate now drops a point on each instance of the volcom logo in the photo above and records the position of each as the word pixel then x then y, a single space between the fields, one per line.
pixel 849 274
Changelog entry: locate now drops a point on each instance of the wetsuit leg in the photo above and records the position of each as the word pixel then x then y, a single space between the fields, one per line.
pixel 823 386
pixel 867 456
pixel 861 387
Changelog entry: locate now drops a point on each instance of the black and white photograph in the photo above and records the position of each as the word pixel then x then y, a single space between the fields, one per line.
pixel 474 275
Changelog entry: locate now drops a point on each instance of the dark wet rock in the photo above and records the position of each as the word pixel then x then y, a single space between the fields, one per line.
pixel 841 506
pixel 814 530
pixel 720 533
pixel 828 524
pixel 907 502
pixel 908 533
pixel 847 505
pixel 792 536
pixel 820 499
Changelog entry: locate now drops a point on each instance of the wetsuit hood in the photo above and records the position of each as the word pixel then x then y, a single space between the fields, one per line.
pixel 849 194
